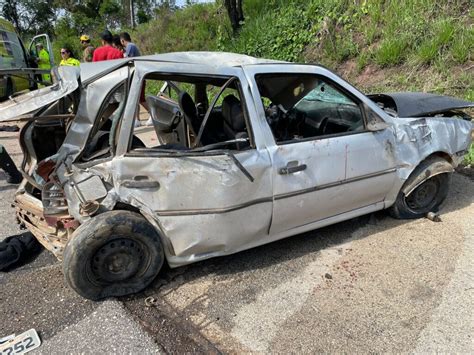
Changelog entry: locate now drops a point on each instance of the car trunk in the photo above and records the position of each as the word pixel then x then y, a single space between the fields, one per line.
pixel 48 113
pixel 40 140
pixel 59 119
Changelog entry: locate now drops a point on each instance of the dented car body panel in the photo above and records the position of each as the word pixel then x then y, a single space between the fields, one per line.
pixel 208 202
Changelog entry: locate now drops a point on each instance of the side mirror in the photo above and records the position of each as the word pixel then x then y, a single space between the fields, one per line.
pixel 374 121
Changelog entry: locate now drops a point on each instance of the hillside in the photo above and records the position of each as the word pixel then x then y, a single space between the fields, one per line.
pixel 410 45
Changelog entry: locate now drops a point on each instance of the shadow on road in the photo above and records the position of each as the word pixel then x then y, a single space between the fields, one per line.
pixel 460 196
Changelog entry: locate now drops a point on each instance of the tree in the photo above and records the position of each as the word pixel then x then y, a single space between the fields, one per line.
pixel 11 11
pixel 90 15
pixel 236 14
pixel 30 17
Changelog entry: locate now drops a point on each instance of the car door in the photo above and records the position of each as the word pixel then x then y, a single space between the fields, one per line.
pixel 325 161
pixel 207 202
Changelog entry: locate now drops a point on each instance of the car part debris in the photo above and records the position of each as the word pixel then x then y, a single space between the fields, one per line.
pixel 20 344
pixel 151 301
pixel 432 216
pixel 8 128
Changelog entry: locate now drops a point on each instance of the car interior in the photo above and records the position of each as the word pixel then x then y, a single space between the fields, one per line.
pixel 301 106
pixel 182 122
pixel 187 114
pixel 195 113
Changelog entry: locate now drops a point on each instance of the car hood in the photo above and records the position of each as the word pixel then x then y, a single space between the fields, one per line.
pixel 66 82
pixel 419 104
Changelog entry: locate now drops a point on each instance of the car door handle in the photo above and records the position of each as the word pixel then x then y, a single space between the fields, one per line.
pixel 291 169
pixel 141 182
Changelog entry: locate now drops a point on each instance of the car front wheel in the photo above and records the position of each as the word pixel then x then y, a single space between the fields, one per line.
pixel 426 197
pixel 113 254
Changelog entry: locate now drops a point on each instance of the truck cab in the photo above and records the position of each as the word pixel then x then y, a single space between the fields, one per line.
pixel 18 67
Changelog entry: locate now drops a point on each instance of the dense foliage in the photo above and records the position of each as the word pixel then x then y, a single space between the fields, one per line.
pixel 380 45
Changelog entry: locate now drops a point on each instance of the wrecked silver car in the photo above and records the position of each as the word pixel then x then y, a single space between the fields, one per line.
pixel 242 152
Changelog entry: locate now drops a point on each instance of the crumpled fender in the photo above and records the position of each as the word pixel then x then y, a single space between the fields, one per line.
pixel 430 167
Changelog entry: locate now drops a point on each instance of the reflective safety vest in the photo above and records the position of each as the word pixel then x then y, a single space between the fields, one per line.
pixel 44 63
pixel 70 61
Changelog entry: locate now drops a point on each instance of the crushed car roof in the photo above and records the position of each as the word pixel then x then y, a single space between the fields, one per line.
pixel 214 59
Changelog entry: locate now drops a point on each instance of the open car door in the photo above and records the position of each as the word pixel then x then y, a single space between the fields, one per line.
pixel 46 42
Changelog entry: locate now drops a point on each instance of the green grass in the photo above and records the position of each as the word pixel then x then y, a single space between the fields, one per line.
pixel 427 52
pixel 469 158
pixel 381 32
pixel 413 45
pixel 391 51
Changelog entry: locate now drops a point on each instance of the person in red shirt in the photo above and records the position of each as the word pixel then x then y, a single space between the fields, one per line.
pixel 106 51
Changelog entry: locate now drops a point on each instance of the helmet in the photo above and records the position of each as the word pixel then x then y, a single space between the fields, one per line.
pixel 85 38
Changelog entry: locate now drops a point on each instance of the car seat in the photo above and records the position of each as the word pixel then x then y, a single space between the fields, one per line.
pixel 234 120
pixel 189 110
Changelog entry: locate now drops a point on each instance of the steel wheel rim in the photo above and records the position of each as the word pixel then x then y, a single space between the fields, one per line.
pixel 423 196
pixel 118 260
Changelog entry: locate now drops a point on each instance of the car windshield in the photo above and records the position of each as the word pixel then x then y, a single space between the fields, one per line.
pixel 326 93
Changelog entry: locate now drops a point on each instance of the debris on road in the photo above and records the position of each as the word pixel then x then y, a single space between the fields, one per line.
pixel 8 128
pixel 20 344
pixel 432 216
pixel 151 301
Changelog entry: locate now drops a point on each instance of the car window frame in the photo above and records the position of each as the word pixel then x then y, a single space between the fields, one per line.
pixel 155 152
pixel 100 112
pixel 326 80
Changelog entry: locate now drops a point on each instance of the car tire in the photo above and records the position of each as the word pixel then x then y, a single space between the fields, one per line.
pixel 113 254
pixel 427 197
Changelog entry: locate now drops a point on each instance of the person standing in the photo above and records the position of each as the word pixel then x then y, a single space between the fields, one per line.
pixel 7 165
pixel 43 61
pixel 106 51
pixel 67 58
pixel 117 43
pixel 131 50
pixel 88 48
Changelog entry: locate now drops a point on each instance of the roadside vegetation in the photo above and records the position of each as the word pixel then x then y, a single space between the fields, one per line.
pixel 360 39
pixel 380 46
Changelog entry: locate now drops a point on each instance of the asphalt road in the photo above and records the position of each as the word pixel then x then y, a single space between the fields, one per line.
pixel 372 284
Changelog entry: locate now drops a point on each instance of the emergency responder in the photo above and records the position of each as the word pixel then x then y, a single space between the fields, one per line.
pixel 7 165
pixel 67 58
pixel 43 61
pixel 87 47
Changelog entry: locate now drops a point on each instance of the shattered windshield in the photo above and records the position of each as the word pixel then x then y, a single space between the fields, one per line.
pixel 326 93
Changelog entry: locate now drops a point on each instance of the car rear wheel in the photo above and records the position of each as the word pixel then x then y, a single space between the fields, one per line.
pixel 114 254
pixel 426 197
